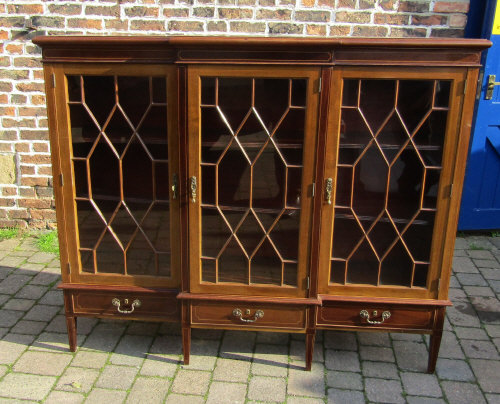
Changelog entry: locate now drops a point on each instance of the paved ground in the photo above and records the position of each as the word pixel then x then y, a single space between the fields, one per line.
pixel 140 362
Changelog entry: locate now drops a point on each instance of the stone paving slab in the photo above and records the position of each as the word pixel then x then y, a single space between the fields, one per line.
pixel 136 362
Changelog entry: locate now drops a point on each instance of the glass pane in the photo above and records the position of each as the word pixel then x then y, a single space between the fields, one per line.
pixel 74 88
pixel 81 183
pixel 141 259
pixel 129 176
pixel 84 130
pixel 252 139
pixel 382 236
pixel 87 261
pixel 110 255
pixel 100 96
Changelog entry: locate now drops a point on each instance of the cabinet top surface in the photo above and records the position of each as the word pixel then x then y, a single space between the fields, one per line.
pixel 263 41
pixel 261 50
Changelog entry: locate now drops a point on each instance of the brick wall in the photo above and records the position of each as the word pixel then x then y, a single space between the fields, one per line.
pixel 25 182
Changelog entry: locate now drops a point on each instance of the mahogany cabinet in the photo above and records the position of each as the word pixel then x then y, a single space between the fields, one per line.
pixel 259 183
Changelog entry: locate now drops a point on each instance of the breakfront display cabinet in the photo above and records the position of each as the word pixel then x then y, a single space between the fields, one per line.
pixel 259 183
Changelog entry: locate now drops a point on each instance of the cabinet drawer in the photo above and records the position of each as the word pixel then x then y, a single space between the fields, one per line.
pixel 376 316
pixel 248 315
pixel 126 305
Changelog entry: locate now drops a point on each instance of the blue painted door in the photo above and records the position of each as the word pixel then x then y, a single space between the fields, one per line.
pixel 481 195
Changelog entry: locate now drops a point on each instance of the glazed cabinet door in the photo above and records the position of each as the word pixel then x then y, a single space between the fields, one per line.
pixel 389 164
pixel 118 147
pixel 252 137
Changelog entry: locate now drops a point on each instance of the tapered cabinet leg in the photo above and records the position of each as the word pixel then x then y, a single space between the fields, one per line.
pixel 310 337
pixel 71 325
pixel 435 341
pixel 186 343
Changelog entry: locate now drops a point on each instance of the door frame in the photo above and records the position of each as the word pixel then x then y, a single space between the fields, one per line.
pixel 68 222
pixel 194 74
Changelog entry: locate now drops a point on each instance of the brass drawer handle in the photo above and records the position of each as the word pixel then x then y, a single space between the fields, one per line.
pixel 328 190
pixel 364 314
pixel 116 302
pixel 258 314
pixel 192 188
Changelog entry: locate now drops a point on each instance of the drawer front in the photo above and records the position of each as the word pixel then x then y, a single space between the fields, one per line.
pixel 127 305
pixel 375 316
pixel 249 315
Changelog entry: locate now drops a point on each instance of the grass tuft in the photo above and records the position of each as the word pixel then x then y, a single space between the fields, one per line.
pixel 47 242
pixel 8 233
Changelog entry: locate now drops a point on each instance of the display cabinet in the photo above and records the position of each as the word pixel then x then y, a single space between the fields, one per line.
pixel 259 183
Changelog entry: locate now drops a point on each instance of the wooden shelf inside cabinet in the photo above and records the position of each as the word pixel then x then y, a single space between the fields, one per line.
pixel 272 184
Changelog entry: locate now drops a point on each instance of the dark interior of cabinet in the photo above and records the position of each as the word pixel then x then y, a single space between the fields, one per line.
pixel 120 161
pixel 252 141
pixel 389 166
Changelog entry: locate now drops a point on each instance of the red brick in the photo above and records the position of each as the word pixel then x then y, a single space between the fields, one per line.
pixel 41 147
pixel 84 23
pixel 367 31
pixel 44 171
pixel 5 86
pixel 140 11
pixel 9 191
pixel 308 3
pixel 313 29
pixel 22 147
pixel 312 16
pixel 204 12
pixel 7 202
pixel 19 99
pixel 34 203
pixel 4 34
pixel 408 32
pixel 13 223
pixel 65 9
pixel 4 98
pixel 414 6
pixel 428 20
pixel 391 19
pixel 35 159
pixel 145 25
pixel 28 170
pixel 34 135
pixel 266 14
pixel 176 12
pixel 25 9
pixel 340 30
pixel 14 48
pixel 347 3
pixel 12 22
pixel 248 27
pixel 33 111
pixel 27 62
pixel 14 74
pixel 388 5
pixel 38 99
pixel 42 123
pixel 366 4
pixel 285 28
pixel 451 7
pixel 38 74
pixel 27 192
pixel 30 87
pixel 235 13
pixel 7 111
pixel 217 26
pixel 34 181
pixel 18 123
pixel 43 214
pixel 44 192
pixel 18 214
pixel 116 25
pixel 356 17
pixel 327 3
pixel 104 11
pixel 8 135
pixel 447 33
pixel 185 26
pixel 457 21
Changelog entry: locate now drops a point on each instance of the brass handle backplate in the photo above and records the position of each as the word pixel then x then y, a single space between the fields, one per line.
pixel 364 314
pixel 258 314
pixel 193 185
pixel 116 302
pixel 328 190
pixel 175 185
